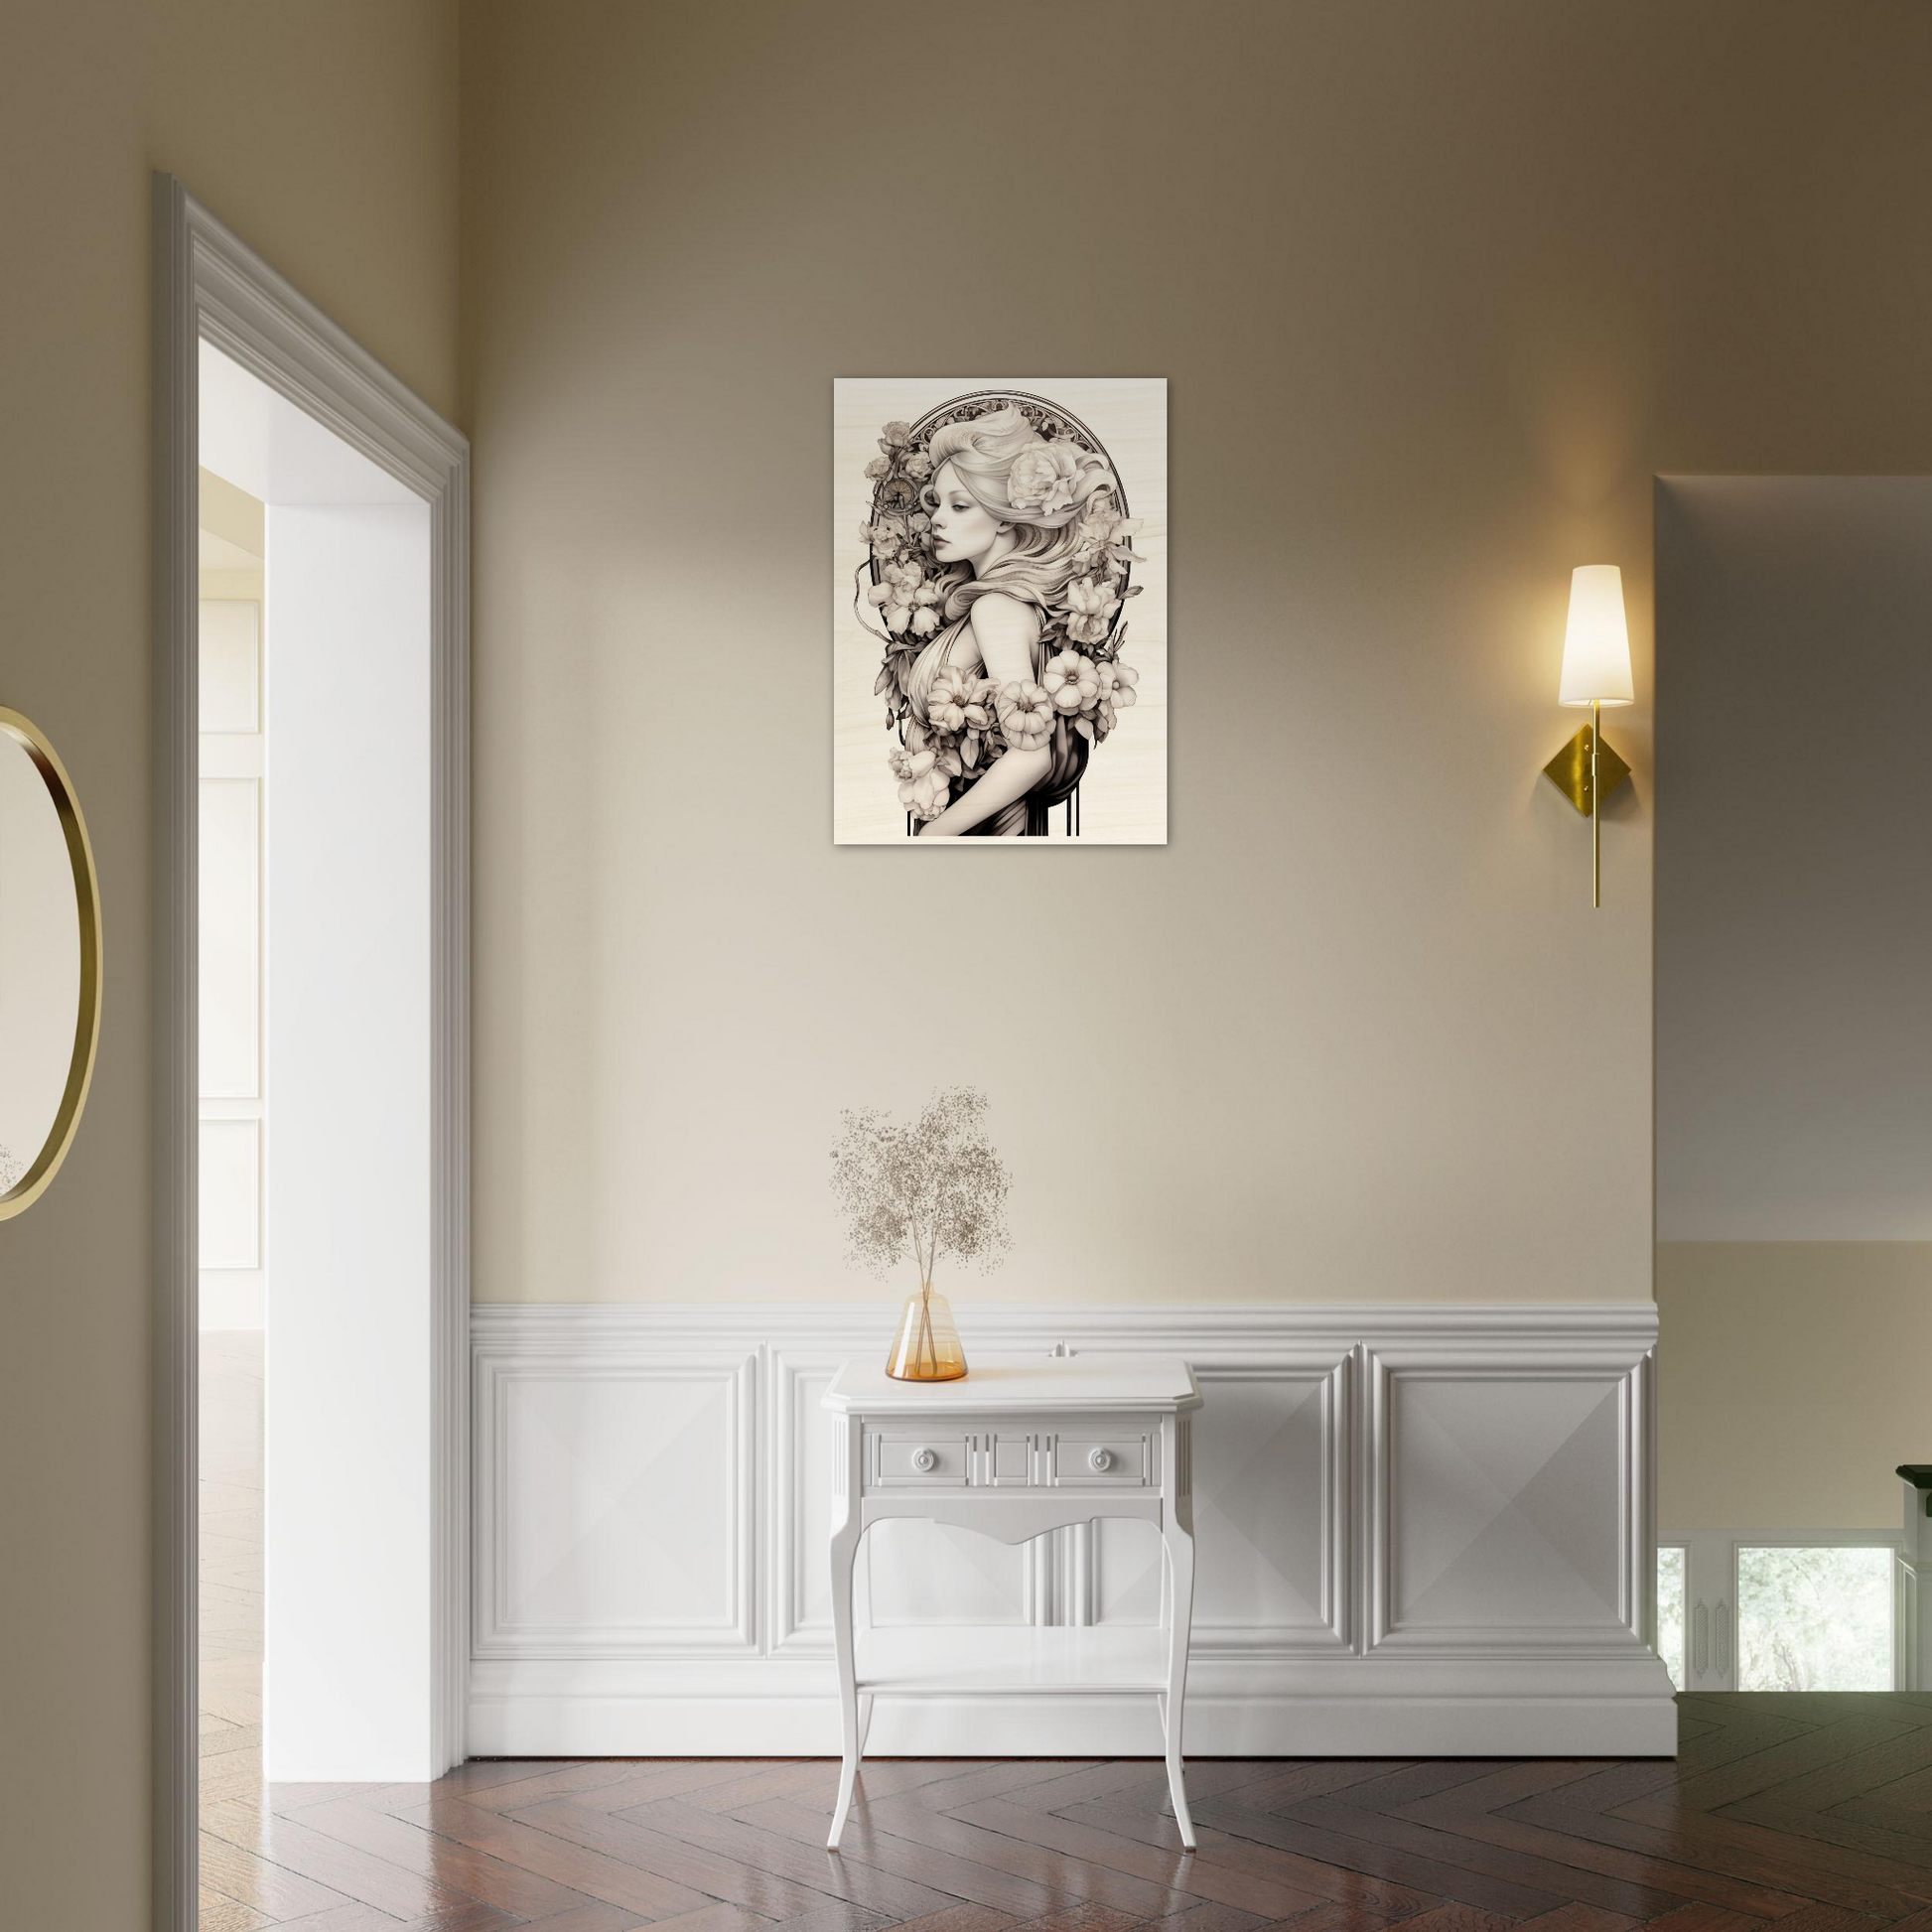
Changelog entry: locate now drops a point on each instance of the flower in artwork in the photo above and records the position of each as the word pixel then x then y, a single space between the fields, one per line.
pixel 1043 477
pixel 926 599
pixel 1026 715
pixel 902 586
pixel 1073 682
pixel 1117 693
pixel 879 466
pixel 919 465
pixel 1090 608
pixel 1094 530
pixel 959 702
pixel 922 785
pixel 1120 552
pixel 894 435
pixel 1102 539
pixel 886 536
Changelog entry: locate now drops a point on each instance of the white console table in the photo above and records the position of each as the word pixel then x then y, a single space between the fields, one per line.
pixel 1013 1450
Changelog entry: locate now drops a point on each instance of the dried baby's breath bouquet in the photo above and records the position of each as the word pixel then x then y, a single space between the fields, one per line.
pixel 933 1186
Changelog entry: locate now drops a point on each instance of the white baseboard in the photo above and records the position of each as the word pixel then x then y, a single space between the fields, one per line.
pixel 515 1714
pixel 1423 1531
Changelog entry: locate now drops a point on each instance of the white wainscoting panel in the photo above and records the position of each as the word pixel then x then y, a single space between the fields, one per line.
pixel 1422 1530
pixel 616 1506
pixel 1271 1501
pixel 1507 1516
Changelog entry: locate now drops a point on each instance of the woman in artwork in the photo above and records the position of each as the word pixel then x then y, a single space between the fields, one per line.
pixel 1000 593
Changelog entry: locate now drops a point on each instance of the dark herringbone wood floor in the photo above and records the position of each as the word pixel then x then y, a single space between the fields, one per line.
pixel 1812 1810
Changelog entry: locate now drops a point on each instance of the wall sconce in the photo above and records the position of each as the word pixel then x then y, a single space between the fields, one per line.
pixel 1596 672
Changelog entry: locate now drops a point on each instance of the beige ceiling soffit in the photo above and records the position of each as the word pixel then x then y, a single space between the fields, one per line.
pixel 234 517
pixel 218 554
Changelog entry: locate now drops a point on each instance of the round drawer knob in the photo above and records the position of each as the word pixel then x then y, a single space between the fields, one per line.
pixel 924 1460
pixel 1100 1460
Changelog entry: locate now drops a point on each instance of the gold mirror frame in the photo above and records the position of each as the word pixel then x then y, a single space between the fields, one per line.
pixel 86 1029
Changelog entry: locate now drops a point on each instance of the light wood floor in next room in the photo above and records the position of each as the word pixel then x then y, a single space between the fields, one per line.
pixel 1814 1812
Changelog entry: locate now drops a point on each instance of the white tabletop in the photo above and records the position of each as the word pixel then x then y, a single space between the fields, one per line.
pixel 1160 1382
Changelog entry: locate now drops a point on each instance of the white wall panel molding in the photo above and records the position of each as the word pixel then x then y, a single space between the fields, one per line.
pixel 615 1502
pixel 1508 1498
pixel 798 1613
pixel 1529 1325
pixel 1272 1498
pixel 1421 1529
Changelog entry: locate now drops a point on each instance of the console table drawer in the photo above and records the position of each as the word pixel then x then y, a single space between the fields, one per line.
pixel 1106 1461
pixel 906 1458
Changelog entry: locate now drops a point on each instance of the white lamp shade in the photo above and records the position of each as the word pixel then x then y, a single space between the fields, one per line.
pixel 1596 645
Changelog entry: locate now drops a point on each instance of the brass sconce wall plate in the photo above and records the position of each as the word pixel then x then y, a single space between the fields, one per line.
pixel 1569 771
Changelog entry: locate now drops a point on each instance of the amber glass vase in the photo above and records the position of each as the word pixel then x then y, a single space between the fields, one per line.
pixel 926 1347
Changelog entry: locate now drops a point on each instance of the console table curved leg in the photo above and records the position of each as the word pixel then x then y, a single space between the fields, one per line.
pixel 845 1551
pixel 1179 1539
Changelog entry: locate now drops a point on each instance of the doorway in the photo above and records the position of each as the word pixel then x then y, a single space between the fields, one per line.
pixel 312 946
pixel 1794 1055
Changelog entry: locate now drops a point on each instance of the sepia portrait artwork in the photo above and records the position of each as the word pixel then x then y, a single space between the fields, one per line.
pixel 1000 635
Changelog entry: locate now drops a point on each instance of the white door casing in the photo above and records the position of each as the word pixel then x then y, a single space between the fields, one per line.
pixel 210 286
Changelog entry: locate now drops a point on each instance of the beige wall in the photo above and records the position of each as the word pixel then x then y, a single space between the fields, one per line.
pixel 1437 289
pixel 325 131
pixel 1791 1381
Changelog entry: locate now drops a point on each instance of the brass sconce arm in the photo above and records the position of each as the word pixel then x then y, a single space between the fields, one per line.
pixel 1587 770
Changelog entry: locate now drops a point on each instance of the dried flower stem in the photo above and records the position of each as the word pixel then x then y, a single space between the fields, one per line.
pixel 937 1186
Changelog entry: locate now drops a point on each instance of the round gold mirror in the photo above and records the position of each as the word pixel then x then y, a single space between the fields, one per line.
pixel 49 963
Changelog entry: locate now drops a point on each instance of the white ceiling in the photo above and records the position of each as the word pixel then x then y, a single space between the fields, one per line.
pixel 262 443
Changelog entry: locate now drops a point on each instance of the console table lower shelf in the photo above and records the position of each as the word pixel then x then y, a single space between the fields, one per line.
pixel 998 1661
pixel 1014 1452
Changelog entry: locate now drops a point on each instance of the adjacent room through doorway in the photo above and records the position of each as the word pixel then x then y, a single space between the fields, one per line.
pixel 314 1013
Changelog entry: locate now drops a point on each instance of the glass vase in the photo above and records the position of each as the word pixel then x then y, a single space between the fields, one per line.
pixel 926 1347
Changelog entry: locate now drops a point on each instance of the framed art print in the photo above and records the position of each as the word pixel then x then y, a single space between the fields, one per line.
pixel 1000 620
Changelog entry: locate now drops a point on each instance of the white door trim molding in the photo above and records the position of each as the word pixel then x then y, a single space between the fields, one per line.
pixel 1423 1529
pixel 209 285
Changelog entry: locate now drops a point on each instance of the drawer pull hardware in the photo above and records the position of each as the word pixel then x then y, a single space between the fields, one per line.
pixel 1100 1460
pixel 924 1460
